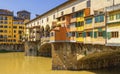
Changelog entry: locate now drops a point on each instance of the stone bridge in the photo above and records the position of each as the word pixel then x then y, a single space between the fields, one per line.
pixel 65 55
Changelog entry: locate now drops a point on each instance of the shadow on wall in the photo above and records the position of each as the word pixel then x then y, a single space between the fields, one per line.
pixel 45 50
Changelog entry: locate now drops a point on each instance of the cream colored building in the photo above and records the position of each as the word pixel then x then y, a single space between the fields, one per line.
pixel 51 17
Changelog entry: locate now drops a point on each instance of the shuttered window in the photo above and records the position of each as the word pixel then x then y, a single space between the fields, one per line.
pixel 99 18
pixel 115 34
pixel 84 34
pixel 109 35
pixel 104 34
pixel 95 34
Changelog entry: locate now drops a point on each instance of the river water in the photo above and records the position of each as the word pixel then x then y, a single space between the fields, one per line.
pixel 17 63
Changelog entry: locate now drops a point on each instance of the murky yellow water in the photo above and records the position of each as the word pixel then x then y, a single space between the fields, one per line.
pixel 17 63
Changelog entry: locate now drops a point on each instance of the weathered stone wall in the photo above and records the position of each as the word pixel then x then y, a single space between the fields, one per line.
pixel 65 55
pixel 31 48
pixel 12 47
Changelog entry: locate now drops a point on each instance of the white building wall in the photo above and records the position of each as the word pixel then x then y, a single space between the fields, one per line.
pixel 100 4
pixel 114 40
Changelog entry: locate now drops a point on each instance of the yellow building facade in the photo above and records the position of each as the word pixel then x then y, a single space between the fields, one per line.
pixel 11 28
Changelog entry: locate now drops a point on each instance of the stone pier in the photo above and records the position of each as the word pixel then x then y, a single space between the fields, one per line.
pixel 31 48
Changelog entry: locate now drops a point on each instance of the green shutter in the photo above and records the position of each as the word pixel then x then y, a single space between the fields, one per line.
pixel 84 34
pixel 95 34
pixel 109 35
pixel 91 34
pixel 104 34
pixel 77 34
pixel 78 24
pixel 75 24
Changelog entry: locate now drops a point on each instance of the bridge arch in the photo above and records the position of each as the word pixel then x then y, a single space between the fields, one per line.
pixel 45 50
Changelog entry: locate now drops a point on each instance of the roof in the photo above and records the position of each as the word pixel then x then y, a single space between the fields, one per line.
pixel 23 11
pixel 51 10
pixel 5 12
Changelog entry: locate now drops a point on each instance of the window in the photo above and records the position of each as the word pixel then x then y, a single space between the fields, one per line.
pixel 73 9
pixel 100 34
pixel 118 16
pixel 20 32
pixel 47 19
pixel 14 36
pixel 63 18
pixel 5 18
pixel 9 36
pixel 5 36
pixel 80 34
pixel 1 17
pixel 5 31
pixel 52 34
pixel 15 27
pixel 38 23
pixel 53 16
pixel 111 17
pixel 1 31
pixel 9 22
pixel 62 13
pixel 14 31
pixel 58 19
pixel 80 14
pixel 1 22
pixel 88 21
pixel 20 27
pixel 115 34
pixel 80 24
pixel 73 34
pixel 5 22
pixel 5 26
pixel 20 37
pixel 1 36
pixel 88 34
pixel 14 40
pixel 73 15
pixel 99 18
pixel 42 21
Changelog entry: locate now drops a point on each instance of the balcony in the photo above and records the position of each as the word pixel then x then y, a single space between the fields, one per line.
pixel 101 24
pixel 112 8
pixel 88 26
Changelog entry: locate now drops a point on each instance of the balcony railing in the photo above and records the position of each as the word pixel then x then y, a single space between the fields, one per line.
pixel 112 8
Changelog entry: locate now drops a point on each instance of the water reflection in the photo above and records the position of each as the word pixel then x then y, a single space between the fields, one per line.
pixel 17 63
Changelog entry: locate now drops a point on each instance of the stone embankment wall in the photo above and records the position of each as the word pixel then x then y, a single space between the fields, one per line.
pixel 10 47
pixel 67 55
